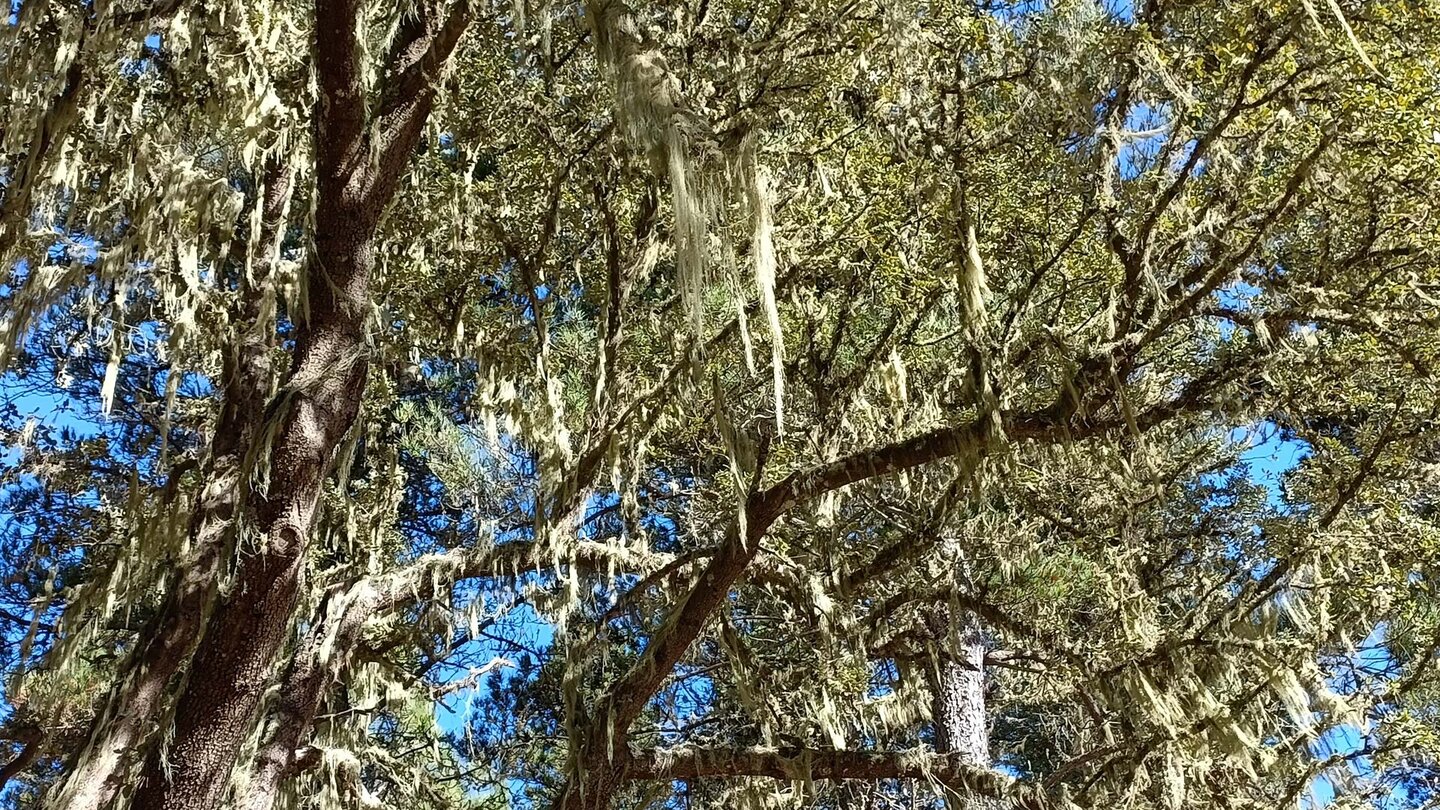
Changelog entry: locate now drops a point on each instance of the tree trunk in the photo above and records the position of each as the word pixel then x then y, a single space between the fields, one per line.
pixel 232 669
pixel 302 690
pixel 594 789
pixel 593 792
pixel 361 152
pixel 957 699
pixel 139 698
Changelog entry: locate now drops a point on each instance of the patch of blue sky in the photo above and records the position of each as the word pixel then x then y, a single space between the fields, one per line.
pixel 522 631
pixel 1147 129
pixel 1122 10
pixel 686 702
pixel 1016 12
pixel 449 147
pixel 73 420
pixel 1347 745
pixel 457 712
pixel 49 409
pixel 150 46
pixel 1180 157
pixel 1239 296
pixel 1269 455
pixel 884 675
pixel 1344 743
pixel 1144 134
pixel 73 247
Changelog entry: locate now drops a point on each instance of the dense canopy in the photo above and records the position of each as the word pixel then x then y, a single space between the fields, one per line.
pixel 720 403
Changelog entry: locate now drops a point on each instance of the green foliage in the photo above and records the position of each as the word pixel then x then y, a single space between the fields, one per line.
pixel 652 263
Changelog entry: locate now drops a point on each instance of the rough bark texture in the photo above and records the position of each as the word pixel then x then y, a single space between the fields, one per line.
pixel 232 668
pixel 957 699
pixel 138 701
pixel 359 161
pixel 302 690
pixel 958 695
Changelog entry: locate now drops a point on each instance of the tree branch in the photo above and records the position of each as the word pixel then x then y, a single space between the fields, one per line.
pixel 948 770
pixel 341 121
pixel 399 588
pixel 420 55
pixel 32 739
pixel 673 638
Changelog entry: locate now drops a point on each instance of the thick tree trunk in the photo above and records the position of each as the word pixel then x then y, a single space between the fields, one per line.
pixel 360 159
pixel 593 791
pixel 321 400
pixel 140 697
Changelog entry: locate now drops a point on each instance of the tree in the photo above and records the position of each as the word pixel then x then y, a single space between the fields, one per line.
pixel 427 454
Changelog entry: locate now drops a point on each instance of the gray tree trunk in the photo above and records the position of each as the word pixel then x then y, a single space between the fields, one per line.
pixel 957 700
pixel 957 689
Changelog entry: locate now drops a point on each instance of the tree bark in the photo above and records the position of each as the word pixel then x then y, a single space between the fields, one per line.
pixel 139 699
pixel 302 690
pixel 958 693
pixel 957 699
pixel 232 668
pixel 957 685
pixel 359 162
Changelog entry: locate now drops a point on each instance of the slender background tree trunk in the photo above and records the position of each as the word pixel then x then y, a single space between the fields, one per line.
pixel 958 695
pixel 957 699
